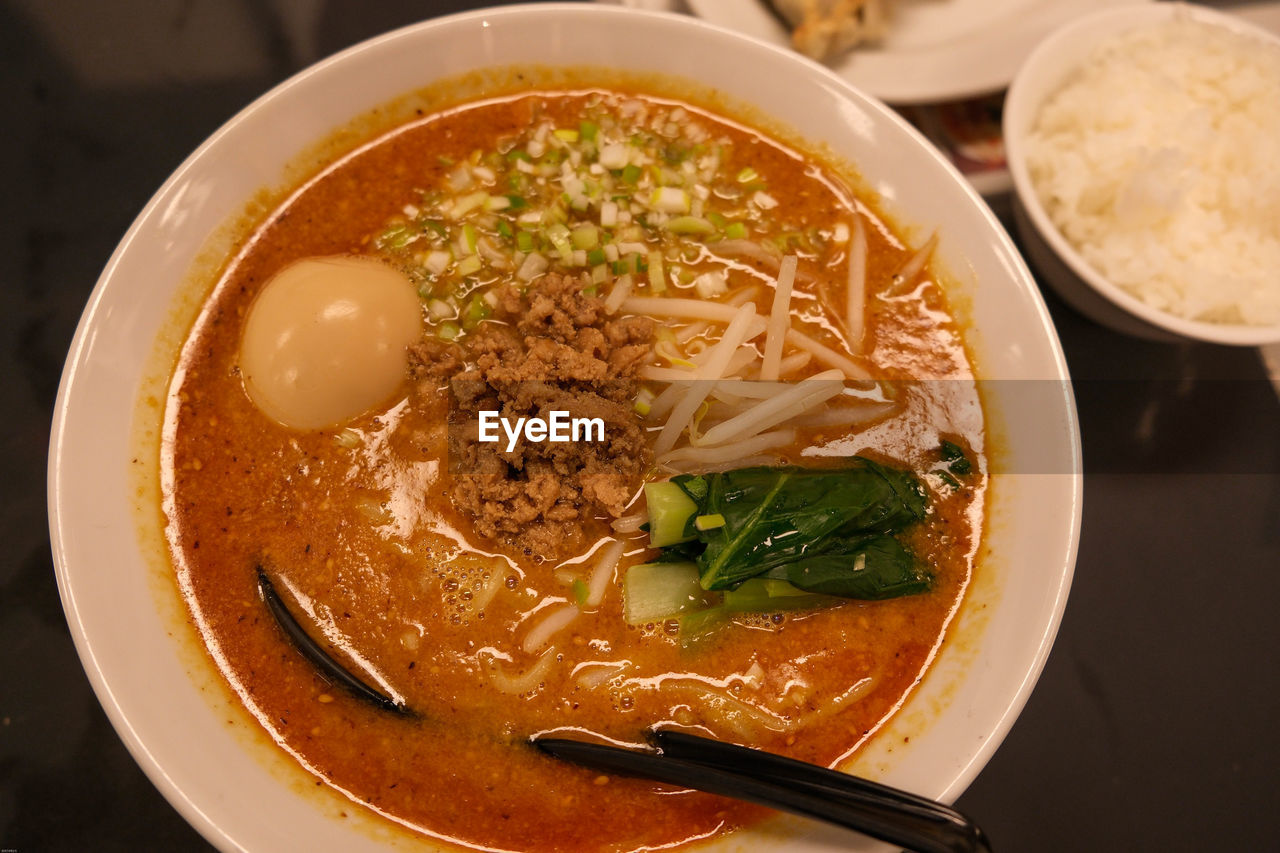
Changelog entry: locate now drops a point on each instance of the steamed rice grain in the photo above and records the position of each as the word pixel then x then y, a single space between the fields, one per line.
pixel 1158 162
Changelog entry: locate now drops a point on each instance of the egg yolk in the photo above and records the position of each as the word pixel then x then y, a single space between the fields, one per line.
pixel 326 340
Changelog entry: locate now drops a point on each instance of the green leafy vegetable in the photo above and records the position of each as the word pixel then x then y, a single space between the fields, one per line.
pixel 945 476
pixel 765 594
pixel 876 568
pixel 954 455
pixel 773 539
pixel 654 591
pixel 774 517
pixel 670 510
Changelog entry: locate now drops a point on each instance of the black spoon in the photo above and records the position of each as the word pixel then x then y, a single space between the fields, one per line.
pixel 316 654
pixel 879 811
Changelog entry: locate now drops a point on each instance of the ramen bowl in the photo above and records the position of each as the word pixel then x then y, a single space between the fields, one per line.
pixel 183 725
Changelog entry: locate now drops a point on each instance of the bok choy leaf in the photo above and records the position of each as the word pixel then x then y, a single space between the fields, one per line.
pixel 823 530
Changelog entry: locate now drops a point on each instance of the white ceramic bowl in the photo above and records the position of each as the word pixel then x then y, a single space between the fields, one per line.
pixel 160 691
pixel 1059 263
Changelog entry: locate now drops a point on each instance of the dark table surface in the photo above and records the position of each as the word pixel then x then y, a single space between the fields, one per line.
pixel 1153 727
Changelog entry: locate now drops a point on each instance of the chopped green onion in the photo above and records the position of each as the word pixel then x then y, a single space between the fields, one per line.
pixel 587 130
pixel 709 522
pixel 596 256
pixel 477 310
pixel 448 331
pixel 558 234
pixel 585 236
pixel 736 231
pixel 689 225
pixel 613 156
pixel 533 266
pixel 657 281
pixel 438 261
pixel 644 401
pixel 631 173
pixel 397 236
pixel 468 203
pixel 669 200
pixel 711 284
pixel 764 201
pixel 566 134
pixel 524 241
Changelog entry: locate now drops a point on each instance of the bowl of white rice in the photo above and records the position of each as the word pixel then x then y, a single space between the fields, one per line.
pixel 1144 145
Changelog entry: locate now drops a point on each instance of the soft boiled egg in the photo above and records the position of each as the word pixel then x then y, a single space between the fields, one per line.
pixel 327 340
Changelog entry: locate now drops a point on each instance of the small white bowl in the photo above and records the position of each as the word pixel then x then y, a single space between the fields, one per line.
pixel 129 623
pixel 1059 263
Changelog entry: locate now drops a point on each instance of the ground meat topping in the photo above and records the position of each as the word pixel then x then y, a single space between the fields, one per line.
pixel 551 348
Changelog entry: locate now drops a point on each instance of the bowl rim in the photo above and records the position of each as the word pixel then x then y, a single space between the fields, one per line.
pixel 72 380
pixel 1070 46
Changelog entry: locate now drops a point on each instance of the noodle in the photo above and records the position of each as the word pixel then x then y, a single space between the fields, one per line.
pixel 525 681
pixel 602 575
pixel 539 635
pixel 733 709
pixel 481 599
pixel 597 672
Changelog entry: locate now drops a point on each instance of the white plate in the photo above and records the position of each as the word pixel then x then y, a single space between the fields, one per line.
pixel 1265 15
pixel 935 50
pixel 122 607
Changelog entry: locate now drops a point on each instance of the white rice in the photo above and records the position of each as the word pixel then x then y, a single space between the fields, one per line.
pixel 1160 162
